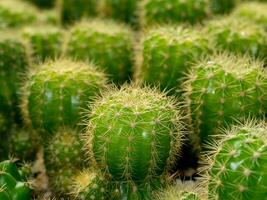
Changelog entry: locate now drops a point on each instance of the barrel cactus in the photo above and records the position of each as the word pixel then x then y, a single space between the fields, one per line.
pixel 238 166
pixel 108 44
pixel 44 43
pixel 56 93
pixel 221 88
pixel 167 53
pixel 223 6
pixel 173 11
pixel 134 133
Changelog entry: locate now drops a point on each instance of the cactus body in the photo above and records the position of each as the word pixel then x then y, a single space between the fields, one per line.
pixel 109 45
pixel 134 133
pixel 167 53
pixel 239 36
pixel 71 11
pixel 56 92
pixel 173 11
pixel 223 6
pixel 222 88
pixel 44 43
pixel 238 167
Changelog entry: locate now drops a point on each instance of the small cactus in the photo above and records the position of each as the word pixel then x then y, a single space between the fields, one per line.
pixel 221 88
pixel 238 166
pixel 134 133
pixel 44 43
pixel 223 6
pixel 167 54
pixel 173 11
pixel 56 93
pixel 108 44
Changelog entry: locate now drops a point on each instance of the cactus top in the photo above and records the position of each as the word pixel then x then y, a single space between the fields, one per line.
pixel 56 92
pixel 238 167
pixel 134 133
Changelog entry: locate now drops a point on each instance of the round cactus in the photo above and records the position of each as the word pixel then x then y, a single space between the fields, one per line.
pixel 134 133
pixel 13 62
pixel 108 44
pixel 44 42
pixel 167 53
pixel 122 10
pixel 221 88
pixel 56 93
pixel 71 11
pixel 239 36
pixel 173 11
pixel 238 167
pixel 223 6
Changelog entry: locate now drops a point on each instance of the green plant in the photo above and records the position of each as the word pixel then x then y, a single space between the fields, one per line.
pixel 221 88
pixel 108 44
pixel 43 3
pixel 167 54
pixel 238 166
pixel 56 93
pixel 223 6
pixel 173 11
pixel 134 133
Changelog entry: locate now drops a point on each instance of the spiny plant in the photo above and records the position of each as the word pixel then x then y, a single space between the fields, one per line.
pixel 44 42
pixel 56 92
pixel 13 62
pixel 12 13
pixel 222 87
pixel 252 11
pixel 122 10
pixel 71 11
pixel 223 6
pixel 134 133
pixel 237 167
pixel 238 36
pixel 167 53
pixel 173 11
pixel 108 44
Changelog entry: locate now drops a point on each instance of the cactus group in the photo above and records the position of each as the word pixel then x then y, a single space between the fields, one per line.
pixel 56 93
pixel 109 45
pixel 167 53
pixel 222 88
pixel 238 168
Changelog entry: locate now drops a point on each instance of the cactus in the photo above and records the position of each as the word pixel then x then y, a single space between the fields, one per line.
pixel 106 43
pixel 71 11
pixel 134 133
pixel 13 62
pixel 238 166
pixel 56 93
pixel 238 36
pixel 44 43
pixel 173 11
pixel 221 88
pixel 167 53
pixel 43 3
pixel 223 6
pixel 122 10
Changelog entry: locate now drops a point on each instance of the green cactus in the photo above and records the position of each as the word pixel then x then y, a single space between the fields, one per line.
pixel 71 11
pixel 238 36
pixel 44 42
pixel 122 10
pixel 238 166
pixel 12 13
pixel 108 44
pixel 252 11
pixel 173 11
pixel 167 53
pixel 13 62
pixel 43 3
pixel 134 133
pixel 223 6
pixel 221 88
pixel 56 93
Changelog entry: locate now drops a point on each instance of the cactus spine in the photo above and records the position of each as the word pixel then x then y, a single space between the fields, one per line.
pixel 238 166
pixel 167 53
pixel 56 92
pixel 221 88
pixel 109 45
